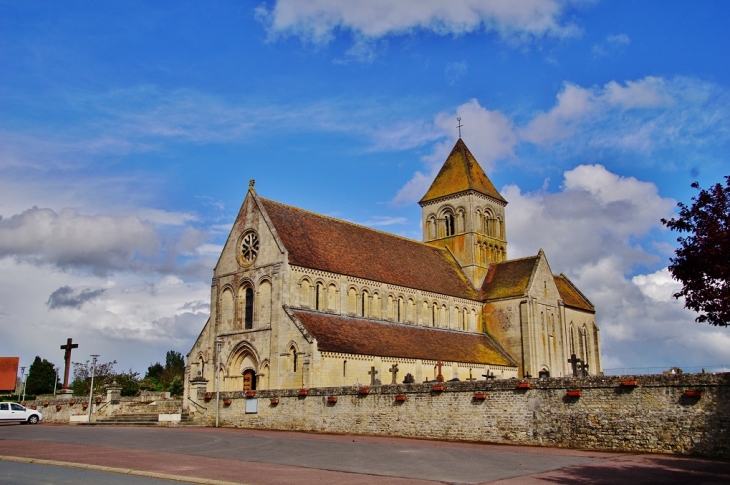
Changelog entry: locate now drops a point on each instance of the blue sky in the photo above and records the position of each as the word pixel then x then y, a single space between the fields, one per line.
pixel 129 133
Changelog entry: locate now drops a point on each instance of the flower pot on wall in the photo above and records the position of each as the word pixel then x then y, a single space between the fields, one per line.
pixel 697 393
pixel 72 402
pixel 227 402
pixel 46 403
pixel 22 403
pixel 480 396
pixel 523 385
pixel 34 407
pixel 250 393
pixel 400 398
pixel 208 396
pixel 438 388
pixel 274 401
pixel 303 391
pixel 629 383
pixel 332 399
pixel 364 390
pixel 58 407
pixel 573 393
pixel 85 405
pixel 97 400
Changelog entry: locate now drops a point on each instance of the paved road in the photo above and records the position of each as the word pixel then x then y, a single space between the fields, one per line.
pixel 32 474
pixel 267 457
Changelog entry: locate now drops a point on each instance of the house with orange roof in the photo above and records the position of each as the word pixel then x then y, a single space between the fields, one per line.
pixel 299 299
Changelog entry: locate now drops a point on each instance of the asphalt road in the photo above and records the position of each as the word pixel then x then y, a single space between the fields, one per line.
pixel 263 457
pixel 32 474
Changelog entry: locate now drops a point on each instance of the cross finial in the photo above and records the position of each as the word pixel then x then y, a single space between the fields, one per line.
pixel 251 183
pixel 459 126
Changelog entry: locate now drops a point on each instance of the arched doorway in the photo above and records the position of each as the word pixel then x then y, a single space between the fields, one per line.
pixel 249 380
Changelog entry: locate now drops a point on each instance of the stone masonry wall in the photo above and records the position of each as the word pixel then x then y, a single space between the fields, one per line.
pixel 655 416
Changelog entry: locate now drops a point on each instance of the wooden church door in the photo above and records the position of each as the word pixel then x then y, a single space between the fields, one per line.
pixel 249 380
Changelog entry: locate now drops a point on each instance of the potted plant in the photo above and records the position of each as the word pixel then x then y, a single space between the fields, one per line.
pixel 97 400
pixel 33 407
pixel 274 401
pixel 45 403
pixel 84 405
pixel 694 392
pixel 523 385
pixel 400 398
pixel 573 392
pixel 364 390
pixel 22 403
pixel 250 393
pixel 303 391
pixel 629 383
pixel 438 388
pixel 480 396
pixel 58 407
pixel 331 399
pixel 227 402
pixel 208 396
pixel 72 402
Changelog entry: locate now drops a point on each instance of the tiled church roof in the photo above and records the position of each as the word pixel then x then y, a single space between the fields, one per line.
pixel 461 172
pixel 508 278
pixel 319 242
pixel 570 295
pixel 335 333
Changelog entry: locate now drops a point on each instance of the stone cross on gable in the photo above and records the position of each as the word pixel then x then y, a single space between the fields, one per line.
pixel 584 368
pixel 372 373
pixel 574 361
pixel 459 126
pixel 488 375
pixel 67 358
pixel 439 377
pixel 394 373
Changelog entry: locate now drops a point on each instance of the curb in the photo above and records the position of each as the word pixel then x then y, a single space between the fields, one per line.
pixel 123 471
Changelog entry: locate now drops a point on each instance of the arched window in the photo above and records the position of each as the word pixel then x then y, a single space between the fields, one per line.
pixel 332 298
pixel 304 293
pixel 411 311
pixel 293 352
pixel 248 319
pixel 365 304
pixel 434 314
pixel 319 296
pixel 572 339
pixel 226 309
pixel 449 224
pixel 264 315
pixel 400 310
pixel 375 306
pixel 352 301
pixel 465 319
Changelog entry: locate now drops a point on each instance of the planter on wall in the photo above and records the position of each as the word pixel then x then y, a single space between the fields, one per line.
pixel 364 390
pixel 45 403
pixel 208 396
pixel 274 401
pixel 34 407
pixel 523 385
pixel 227 402
pixel 332 399
pixel 629 383
pixel 72 402
pixel 573 393
pixel 97 400
pixel 438 388
pixel 694 392
pixel 303 391
pixel 85 405
pixel 58 407
pixel 480 396
pixel 400 398
pixel 22 403
pixel 250 393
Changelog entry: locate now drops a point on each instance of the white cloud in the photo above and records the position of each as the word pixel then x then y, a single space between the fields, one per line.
pixel 611 45
pixel 455 71
pixel 319 21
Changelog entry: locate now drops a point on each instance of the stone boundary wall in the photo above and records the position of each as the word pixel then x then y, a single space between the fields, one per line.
pixel 146 403
pixel 655 416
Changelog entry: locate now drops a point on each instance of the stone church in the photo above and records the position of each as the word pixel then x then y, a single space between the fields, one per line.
pixel 304 300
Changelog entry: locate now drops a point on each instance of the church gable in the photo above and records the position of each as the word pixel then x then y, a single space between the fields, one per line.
pixel 571 295
pixel 510 279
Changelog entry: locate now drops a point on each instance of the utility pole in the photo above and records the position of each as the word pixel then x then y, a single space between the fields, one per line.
pixel 91 391
pixel 22 377
pixel 55 383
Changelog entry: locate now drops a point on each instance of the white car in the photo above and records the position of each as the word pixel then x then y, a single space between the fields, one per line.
pixel 14 412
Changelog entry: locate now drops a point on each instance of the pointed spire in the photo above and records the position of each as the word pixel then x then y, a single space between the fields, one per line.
pixel 461 172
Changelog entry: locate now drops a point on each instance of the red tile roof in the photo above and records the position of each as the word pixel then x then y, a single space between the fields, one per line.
pixel 571 296
pixel 8 373
pixel 319 242
pixel 509 278
pixel 461 172
pixel 336 333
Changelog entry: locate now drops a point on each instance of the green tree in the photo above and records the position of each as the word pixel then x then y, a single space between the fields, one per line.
pixel 82 377
pixel 702 262
pixel 41 377
pixel 129 382
pixel 162 377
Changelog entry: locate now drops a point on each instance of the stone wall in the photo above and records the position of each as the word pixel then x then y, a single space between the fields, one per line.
pixel 655 416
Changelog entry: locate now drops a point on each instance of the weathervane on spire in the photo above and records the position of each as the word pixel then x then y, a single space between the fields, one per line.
pixel 459 126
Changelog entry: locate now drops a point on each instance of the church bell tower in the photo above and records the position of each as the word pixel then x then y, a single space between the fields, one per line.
pixel 464 212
